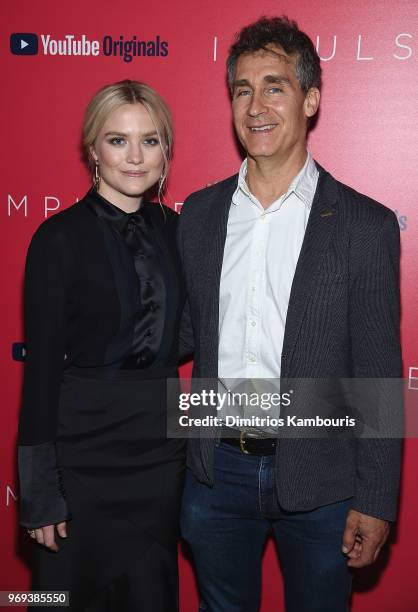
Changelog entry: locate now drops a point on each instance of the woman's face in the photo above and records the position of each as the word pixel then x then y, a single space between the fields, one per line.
pixel 129 155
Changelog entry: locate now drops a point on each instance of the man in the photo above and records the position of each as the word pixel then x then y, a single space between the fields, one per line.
pixel 290 274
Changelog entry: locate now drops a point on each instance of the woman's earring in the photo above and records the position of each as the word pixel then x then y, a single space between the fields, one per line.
pixel 161 185
pixel 96 177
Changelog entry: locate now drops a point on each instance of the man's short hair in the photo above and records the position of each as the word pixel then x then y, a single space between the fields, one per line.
pixel 284 33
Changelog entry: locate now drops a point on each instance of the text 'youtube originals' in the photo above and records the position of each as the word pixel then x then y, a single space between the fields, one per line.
pixel 71 45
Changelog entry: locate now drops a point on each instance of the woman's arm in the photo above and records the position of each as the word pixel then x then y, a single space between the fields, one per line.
pixel 48 275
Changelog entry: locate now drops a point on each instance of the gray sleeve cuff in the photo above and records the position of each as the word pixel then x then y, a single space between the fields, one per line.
pixel 378 477
pixel 42 495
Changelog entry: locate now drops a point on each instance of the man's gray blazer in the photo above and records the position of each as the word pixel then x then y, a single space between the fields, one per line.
pixel 342 322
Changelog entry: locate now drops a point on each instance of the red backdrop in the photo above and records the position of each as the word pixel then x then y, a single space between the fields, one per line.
pixel 364 136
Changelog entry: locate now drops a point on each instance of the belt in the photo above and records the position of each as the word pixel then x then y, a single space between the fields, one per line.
pixel 251 445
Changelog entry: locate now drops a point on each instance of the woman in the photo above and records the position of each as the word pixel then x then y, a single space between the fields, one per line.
pixel 100 481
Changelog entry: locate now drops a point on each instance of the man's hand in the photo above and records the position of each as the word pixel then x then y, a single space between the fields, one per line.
pixel 363 538
pixel 46 535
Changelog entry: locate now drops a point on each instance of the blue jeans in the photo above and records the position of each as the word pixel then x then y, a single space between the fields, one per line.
pixel 227 526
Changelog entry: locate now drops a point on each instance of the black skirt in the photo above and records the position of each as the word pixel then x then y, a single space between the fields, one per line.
pixel 123 481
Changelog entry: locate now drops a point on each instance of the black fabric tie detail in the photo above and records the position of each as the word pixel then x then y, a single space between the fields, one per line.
pixel 138 236
pixel 133 231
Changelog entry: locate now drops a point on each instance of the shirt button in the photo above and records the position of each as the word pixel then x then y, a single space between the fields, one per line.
pixel 253 323
pixel 148 332
pixel 252 358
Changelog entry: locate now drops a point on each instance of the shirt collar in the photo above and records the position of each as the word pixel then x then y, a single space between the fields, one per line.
pixel 303 185
pixel 111 213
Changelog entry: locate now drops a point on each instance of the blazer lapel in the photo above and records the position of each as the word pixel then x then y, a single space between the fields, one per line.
pixel 213 240
pixel 318 232
pixel 213 248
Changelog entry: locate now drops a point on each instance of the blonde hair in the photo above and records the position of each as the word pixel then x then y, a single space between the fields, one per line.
pixel 113 96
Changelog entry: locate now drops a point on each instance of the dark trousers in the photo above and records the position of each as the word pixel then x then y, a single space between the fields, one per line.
pixel 227 526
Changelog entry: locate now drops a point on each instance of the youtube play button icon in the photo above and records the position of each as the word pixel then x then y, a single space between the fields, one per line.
pixel 24 44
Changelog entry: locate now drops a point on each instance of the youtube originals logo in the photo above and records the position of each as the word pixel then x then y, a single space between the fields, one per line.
pixel 24 44
pixel 71 45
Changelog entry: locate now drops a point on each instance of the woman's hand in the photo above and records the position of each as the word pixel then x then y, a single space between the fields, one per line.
pixel 46 535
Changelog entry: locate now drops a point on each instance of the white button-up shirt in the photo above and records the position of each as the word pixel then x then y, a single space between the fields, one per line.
pixel 261 252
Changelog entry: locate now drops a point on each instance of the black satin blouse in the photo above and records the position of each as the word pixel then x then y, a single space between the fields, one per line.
pixel 147 305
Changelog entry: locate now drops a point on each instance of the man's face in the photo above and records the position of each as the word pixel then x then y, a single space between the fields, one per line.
pixel 269 108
